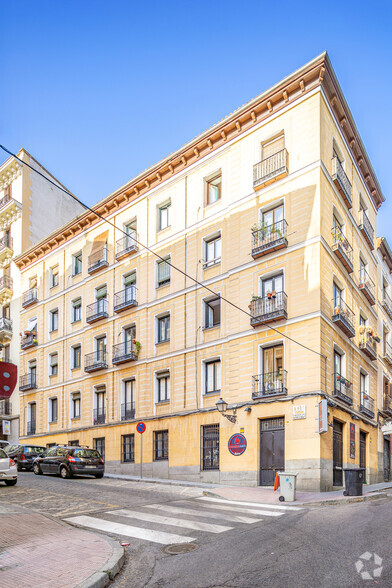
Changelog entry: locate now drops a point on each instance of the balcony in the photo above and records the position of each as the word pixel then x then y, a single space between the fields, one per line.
pixel 387 353
pixel 10 210
pixel 268 238
pixel 367 405
pixel 271 169
pixel 270 384
pixel 342 182
pixel 367 287
pixel 128 411
pixel 124 299
pixel 366 229
pixel 6 249
pixel 5 329
pixel 387 304
pixel 29 297
pixel 342 249
pixel 367 343
pixel 127 245
pixel 95 361
pixel 269 309
pixel 124 352
pixel 99 416
pixel 98 260
pixel 6 289
pixel 388 405
pixel 343 317
pixel 342 388
pixel 5 408
pixel 29 340
pixel 31 427
pixel 97 310
pixel 28 382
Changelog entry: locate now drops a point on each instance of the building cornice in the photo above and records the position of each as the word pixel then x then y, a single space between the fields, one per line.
pixel 385 251
pixel 316 73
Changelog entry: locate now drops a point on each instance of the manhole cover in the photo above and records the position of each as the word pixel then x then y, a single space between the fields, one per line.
pixel 178 548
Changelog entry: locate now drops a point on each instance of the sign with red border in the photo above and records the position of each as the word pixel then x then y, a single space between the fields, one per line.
pixel 140 427
pixel 237 444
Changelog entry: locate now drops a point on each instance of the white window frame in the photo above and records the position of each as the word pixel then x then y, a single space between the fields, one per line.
pixel 212 239
pixel 75 396
pixel 166 206
pixel 52 313
pixel 51 355
pixel 76 261
pixel 205 303
pixel 50 409
pixel 206 362
pixel 158 375
pixel 158 318
pixel 73 347
pixel 54 276
pixel 157 264
pixel 73 320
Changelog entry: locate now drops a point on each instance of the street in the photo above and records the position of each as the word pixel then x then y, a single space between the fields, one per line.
pixel 236 544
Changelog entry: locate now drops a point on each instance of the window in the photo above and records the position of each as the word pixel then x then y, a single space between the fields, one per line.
pixel 100 348
pixel 163 390
pixel 53 320
pixel 53 364
pixel 100 405
pixel 76 310
pixel 214 189
pixel 74 443
pixel 53 410
pixel 212 312
pixel 99 445
pixel 337 295
pixel 129 282
pixel 76 356
pixel 161 445
pixel 271 223
pixel 127 448
pixel 163 273
pixel 362 321
pixel 338 363
pixel 54 276
pixel 212 376
pixel 77 264
pixel 75 405
pixel 272 285
pixel 128 405
pixel 163 329
pixel 128 338
pixel 272 381
pixel 213 251
pixel 272 147
pixel 164 216
pixel 210 447
pixel 32 370
pixel 363 384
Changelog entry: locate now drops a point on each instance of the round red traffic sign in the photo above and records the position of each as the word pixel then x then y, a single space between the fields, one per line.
pixel 140 427
pixel 237 444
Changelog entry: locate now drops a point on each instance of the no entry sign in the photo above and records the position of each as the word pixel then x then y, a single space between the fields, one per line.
pixel 237 444
pixel 140 427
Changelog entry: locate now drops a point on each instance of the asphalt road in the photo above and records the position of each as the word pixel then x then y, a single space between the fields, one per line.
pixel 312 547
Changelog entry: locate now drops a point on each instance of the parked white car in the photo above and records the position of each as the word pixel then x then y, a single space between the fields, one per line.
pixel 8 469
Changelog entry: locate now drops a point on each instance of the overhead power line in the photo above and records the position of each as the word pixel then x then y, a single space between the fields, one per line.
pixel 181 271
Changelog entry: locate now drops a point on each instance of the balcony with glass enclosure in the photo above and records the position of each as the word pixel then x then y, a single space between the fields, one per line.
pixel 342 249
pixel 272 307
pixel 342 182
pixel 270 169
pixel 367 286
pixel 343 317
pixel 268 237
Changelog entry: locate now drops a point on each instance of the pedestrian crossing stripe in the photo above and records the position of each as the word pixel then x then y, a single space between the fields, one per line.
pixel 234 518
pixel 252 504
pixel 174 522
pixel 262 513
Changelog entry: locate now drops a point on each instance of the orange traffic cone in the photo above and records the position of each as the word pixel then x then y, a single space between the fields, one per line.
pixel 277 482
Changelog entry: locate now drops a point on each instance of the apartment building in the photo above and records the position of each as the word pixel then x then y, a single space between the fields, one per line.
pixel 267 362
pixel 30 208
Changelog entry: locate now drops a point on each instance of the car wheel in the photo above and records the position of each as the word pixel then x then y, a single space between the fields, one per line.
pixel 98 475
pixel 64 472
pixel 10 482
pixel 37 470
pixel 19 468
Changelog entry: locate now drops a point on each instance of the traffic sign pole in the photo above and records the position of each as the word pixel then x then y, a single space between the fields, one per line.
pixel 141 456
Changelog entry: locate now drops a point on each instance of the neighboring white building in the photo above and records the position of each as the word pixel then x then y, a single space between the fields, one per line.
pixel 30 209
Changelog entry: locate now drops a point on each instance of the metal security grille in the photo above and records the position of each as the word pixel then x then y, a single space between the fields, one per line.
pixel 128 448
pixel 210 447
pixel 161 445
pixel 272 424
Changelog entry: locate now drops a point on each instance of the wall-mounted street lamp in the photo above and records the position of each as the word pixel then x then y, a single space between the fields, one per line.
pixel 221 405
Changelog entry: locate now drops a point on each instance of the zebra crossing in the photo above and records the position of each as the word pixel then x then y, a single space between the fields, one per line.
pixel 160 523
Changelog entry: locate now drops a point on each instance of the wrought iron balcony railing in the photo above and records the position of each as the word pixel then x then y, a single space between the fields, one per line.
pixel 270 169
pixel 29 297
pixel 367 286
pixel 387 352
pixel 269 384
pixel 388 404
pixel 128 411
pixel 6 242
pixel 99 416
pixel 342 249
pixel 343 317
pixel 29 340
pixel 28 381
pixel 31 427
pixel 341 181
pixel 98 260
pixel 268 309
pixel 127 245
pixel 97 310
pixel 366 228
pixel 4 200
pixel 367 405
pixel 367 344
pixel 342 388
pixel 95 361
pixel 5 408
pixel 6 282
pixel 267 238
pixel 387 303
pixel 123 352
pixel 126 298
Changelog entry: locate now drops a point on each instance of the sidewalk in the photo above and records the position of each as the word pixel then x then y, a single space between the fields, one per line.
pixel 38 551
pixel 268 496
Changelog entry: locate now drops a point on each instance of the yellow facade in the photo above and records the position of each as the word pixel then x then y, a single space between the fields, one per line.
pixel 304 263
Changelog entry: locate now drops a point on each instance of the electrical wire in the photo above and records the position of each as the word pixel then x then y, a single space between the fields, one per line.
pixel 197 282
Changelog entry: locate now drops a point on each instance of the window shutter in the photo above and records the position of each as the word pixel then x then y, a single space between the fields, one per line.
pixel 99 244
pixel 273 147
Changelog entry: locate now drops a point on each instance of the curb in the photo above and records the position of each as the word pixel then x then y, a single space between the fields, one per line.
pixel 331 502
pixel 167 482
pixel 109 570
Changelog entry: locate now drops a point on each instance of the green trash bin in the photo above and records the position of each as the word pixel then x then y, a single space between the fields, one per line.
pixel 353 478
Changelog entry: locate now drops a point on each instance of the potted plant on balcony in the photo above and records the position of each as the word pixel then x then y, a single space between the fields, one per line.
pixel 376 337
pixel 273 294
pixel 269 295
pixel 137 346
pixel 254 298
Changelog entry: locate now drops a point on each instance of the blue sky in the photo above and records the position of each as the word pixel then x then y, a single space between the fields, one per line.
pixel 98 91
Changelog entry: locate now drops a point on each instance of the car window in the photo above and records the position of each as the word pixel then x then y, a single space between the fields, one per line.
pixel 91 453
pixel 61 451
pixel 3 454
pixel 34 450
pixel 10 448
pixel 50 451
